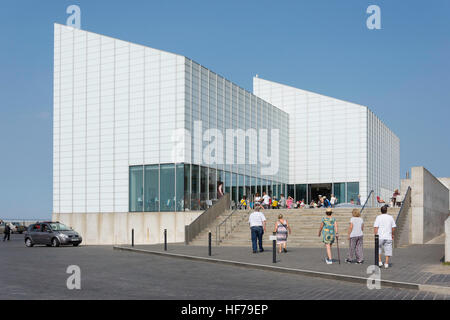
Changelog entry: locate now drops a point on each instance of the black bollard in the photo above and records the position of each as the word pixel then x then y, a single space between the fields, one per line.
pixel 274 249
pixel 209 243
pixel 377 249
pixel 132 237
pixel 165 239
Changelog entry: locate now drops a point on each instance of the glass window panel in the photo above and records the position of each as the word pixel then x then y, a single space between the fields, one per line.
pixel 339 192
pixel 234 188
pixel 195 192
pixel 269 188
pixel 203 187
pixel 136 193
pixel 151 189
pixel 352 191
pixel 212 184
pixel 241 183
pixel 187 186
pixel 227 182
pixel 179 183
pixel 290 190
pixel 167 182
pixel 300 192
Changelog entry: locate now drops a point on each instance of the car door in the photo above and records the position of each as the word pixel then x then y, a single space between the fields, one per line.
pixel 46 234
pixel 36 234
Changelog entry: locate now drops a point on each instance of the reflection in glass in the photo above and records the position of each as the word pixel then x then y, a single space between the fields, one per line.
pixel 300 192
pixel 151 194
pixel 352 191
pixel 167 191
pixel 136 194
pixel 179 185
pixel 339 192
pixel 212 184
pixel 195 192
pixel 187 186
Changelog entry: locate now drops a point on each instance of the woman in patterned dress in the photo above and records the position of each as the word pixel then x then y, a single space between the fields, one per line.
pixel 282 229
pixel 329 230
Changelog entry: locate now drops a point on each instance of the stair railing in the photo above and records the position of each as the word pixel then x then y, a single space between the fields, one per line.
pixel 206 218
pixel 227 222
pixel 406 203
pixel 367 200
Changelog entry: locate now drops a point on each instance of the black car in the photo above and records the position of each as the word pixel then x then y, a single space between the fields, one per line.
pixel 51 234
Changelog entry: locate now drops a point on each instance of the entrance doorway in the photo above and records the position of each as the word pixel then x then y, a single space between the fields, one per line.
pixel 322 189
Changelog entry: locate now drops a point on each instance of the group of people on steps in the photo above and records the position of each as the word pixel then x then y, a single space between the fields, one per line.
pixel 384 227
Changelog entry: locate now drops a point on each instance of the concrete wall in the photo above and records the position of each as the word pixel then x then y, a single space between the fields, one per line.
pixel 404 184
pixel 115 228
pixel 430 206
pixel 447 240
pixel 446 182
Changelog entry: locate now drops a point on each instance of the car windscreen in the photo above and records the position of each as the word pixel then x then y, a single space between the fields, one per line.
pixel 59 227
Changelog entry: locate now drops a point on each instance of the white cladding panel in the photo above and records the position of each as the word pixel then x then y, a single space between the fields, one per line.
pixel 108 97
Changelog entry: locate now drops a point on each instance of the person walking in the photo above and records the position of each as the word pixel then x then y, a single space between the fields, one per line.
pixel 282 230
pixel 257 222
pixel 384 227
pixel 7 232
pixel 328 230
pixel 355 237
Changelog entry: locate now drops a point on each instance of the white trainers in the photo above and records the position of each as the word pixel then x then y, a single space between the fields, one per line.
pixel 328 261
pixel 380 264
pixel 386 265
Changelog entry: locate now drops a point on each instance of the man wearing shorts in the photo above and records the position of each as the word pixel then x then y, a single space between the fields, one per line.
pixel 384 227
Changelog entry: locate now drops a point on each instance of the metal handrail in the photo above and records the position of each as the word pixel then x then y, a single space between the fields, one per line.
pixel 225 221
pixel 403 204
pixel 367 200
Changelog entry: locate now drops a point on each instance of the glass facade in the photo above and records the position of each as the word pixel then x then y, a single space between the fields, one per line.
pixel 180 187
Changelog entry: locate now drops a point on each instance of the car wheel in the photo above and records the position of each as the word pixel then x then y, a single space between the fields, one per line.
pixel 75 244
pixel 55 242
pixel 28 242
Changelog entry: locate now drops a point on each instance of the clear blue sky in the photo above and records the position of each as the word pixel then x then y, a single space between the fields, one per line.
pixel 401 72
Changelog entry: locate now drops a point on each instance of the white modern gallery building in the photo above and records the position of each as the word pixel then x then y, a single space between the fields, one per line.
pixel 142 137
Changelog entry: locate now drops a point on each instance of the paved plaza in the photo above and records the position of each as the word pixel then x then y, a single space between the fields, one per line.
pixel 419 264
pixel 40 273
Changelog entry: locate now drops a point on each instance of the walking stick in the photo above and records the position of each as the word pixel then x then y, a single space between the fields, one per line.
pixel 339 254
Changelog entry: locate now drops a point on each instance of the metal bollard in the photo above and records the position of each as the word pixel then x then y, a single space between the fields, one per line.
pixel 132 237
pixel 209 243
pixel 377 249
pixel 274 249
pixel 165 239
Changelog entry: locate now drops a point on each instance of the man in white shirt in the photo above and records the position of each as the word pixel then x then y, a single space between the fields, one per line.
pixel 257 222
pixel 384 227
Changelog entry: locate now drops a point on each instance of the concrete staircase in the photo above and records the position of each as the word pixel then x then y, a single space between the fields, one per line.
pixel 304 223
pixel 238 219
